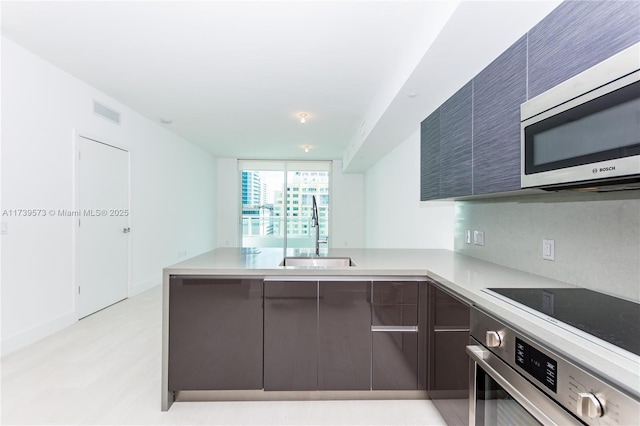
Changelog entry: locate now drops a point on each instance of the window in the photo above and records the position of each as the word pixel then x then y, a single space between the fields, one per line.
pixel 277 202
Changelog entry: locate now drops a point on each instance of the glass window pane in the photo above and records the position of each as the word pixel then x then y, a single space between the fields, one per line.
pixel 277 206
pixel 303 185
pixel 262 208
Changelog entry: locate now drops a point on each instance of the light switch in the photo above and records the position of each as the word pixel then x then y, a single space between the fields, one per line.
pixel 467 237
pixel 549 249
pixel 478 238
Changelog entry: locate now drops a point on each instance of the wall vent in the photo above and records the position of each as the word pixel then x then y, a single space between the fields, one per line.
pixel 106 112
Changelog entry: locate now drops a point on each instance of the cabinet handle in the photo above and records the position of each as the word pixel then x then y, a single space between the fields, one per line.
pixel 400 328
pixel 452 329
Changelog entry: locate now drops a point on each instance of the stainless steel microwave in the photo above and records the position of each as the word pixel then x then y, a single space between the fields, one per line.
pixel 585 132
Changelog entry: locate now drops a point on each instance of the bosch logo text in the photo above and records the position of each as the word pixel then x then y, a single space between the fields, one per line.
pixel 604 169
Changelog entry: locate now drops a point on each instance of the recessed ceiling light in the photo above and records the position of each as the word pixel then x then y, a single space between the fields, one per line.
pixel 412 94
pixel 303 117
pixel 306 148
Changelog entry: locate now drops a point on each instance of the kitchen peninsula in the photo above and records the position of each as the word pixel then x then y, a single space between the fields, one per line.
pixel 388 285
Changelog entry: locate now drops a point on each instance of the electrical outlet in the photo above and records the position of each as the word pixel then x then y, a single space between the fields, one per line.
pixel 478 238
pixel 467 237
pixel 549 249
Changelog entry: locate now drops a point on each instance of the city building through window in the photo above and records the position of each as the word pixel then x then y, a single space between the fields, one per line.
pixel 277 202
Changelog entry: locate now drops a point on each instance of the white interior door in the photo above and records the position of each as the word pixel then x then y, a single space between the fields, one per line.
pixel 102 238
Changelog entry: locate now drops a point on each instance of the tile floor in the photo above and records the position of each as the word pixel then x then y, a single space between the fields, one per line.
pixel 105 369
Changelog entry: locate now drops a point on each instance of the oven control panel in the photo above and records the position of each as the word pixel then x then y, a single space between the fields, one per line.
pixel 542 367
pixel 582 393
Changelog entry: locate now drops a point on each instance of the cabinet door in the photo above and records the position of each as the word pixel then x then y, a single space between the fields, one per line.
pixel 395 360
pixel 344 352
pixel 576 36
pixel 498 92
pixel 396 354
pixel 290 335
pixel 452 362
pixel 215 333
pixel 430 157
pixel 455 144
pixel 448 338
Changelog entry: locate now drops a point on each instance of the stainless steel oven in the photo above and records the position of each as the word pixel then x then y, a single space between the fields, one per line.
pixel 517 381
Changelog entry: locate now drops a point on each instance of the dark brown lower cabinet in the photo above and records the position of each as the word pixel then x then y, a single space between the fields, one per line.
pixel 448 359
pixel 395 360
pixel 448 338
pixel 399 322
pixel 215 333
pixel 344 335
pixel 451 372
pixel 290 335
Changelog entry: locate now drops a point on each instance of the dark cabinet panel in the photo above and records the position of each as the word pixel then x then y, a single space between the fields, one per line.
pixel 448 338
pixel 399 357
pixel 215 333
pixel 576 36
pixel 344 350
pixel 290 335
pixel 395 303
pixel 395 315
pixel 430 157
pixel 455 144
pixel 451 361
pixel 395 292
pixel 395 361
pixel 449 311
pixel 498 92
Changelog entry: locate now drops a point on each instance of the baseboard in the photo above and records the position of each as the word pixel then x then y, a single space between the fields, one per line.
pixel 32 335
pixel 145 285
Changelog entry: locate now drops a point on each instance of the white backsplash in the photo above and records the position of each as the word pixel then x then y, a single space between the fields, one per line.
pixel 597 237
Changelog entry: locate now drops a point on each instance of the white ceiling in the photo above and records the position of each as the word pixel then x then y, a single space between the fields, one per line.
pixel 233 75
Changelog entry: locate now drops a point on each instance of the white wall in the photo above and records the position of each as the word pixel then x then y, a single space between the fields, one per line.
pixel 347 208
pixel 394 215
pixel 172 193
pixel 597 237
pixel 228 203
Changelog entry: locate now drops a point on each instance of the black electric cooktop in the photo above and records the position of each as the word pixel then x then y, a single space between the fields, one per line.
pixel 614 320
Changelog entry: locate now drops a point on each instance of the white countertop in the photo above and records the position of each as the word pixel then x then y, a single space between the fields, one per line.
pixel 463 275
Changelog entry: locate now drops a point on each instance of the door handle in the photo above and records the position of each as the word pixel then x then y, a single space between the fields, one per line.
pixel 126 230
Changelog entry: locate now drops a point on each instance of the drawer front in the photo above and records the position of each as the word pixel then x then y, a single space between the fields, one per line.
pixel 450 312
pixel 394 315
pixel 395 292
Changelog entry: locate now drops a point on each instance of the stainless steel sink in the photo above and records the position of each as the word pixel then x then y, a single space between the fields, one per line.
pixel 328 262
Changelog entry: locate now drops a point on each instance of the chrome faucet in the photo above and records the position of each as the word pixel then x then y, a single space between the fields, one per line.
pixel 315 223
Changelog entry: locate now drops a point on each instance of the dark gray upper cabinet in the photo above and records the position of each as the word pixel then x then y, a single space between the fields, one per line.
pixel 430 157
pixel 498 92
pixel 455 144
pixel 576 36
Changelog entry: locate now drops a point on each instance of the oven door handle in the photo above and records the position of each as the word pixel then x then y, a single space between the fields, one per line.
pixel 537 403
